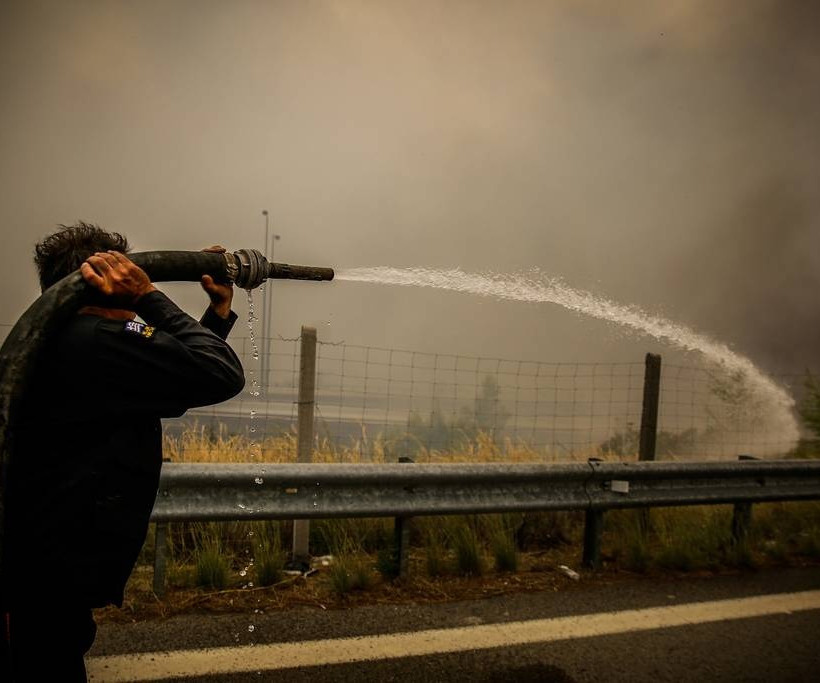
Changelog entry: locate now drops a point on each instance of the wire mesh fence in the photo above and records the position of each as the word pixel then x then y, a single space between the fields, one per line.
pixel 379 404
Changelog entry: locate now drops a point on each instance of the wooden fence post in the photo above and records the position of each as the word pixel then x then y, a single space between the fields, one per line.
pixel 649 410
pixel 649 423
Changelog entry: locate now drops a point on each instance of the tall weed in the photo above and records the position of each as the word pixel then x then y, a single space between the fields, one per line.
pixel 467 546
pixel 212 565
pixel 268 554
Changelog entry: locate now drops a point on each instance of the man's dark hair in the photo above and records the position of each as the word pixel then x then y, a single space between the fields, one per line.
pixel 63 252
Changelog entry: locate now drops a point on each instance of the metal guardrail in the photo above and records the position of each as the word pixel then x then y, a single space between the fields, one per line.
pixel 199 492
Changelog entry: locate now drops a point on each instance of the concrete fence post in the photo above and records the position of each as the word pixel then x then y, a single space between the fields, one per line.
pixel 306 404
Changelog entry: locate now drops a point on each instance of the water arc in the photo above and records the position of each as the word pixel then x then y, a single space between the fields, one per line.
pixel 539 288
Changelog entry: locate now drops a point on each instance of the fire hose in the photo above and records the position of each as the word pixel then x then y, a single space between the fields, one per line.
pixel 245 268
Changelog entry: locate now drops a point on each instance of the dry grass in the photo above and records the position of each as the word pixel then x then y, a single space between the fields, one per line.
pixel 205 445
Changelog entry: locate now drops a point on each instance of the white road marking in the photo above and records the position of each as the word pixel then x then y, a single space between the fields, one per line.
pixel 151 666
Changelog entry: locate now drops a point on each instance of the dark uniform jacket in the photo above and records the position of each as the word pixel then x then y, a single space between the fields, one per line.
pixel 86 461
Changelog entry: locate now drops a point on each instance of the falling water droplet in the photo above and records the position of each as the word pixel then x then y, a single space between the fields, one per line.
pixel 259 480
pixel 254 388
pixel 251 628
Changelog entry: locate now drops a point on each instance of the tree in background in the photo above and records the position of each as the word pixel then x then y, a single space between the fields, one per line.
pixel 488 415
pixel 668 444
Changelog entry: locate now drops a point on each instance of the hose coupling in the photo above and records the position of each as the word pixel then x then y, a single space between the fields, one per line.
pixel 247 268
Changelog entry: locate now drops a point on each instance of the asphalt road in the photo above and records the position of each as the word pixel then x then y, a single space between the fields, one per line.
pixel 725 646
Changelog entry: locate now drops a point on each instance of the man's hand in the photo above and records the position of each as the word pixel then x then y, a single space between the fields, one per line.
pixel 117 278
pixel 220 293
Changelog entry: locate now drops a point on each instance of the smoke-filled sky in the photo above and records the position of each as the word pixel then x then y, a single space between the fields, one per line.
pixel 663 154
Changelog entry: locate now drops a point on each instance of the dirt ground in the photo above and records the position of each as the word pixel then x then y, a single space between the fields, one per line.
pixel 538 571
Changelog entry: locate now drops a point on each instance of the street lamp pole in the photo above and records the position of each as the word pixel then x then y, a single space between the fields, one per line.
pixel 267 305
pixel 263 376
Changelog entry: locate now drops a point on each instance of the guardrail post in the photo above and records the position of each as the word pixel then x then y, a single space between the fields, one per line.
pixel 160 554
pixel 401 539
pixel 649 422
pixel 307 400
pixel 160 557
pixel 593 527
pixel 741 515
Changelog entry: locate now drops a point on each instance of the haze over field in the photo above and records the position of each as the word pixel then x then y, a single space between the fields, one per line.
pixel 660 154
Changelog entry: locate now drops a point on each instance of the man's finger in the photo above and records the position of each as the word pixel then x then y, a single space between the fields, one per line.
pixel 98 263
pixel 90 276
pixel 109 258
pixel 216 249
pixel 119 257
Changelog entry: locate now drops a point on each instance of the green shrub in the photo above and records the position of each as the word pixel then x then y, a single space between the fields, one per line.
pixel 350 572
pixel 505 554
pixel 431 534
pixel 211 568
pixel 630 546
pixel 693 538
pixel 808 542
pixel 211 564
pixel 387 562
pixel 549 529
pixel 350 569
pixel 467 547
pixel 327 536
pixel 269 556
pixel 501 531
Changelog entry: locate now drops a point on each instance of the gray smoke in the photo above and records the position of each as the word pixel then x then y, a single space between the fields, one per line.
pixel 664 154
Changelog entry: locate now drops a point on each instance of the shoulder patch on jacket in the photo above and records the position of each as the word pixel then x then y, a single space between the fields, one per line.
pixel 140 329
